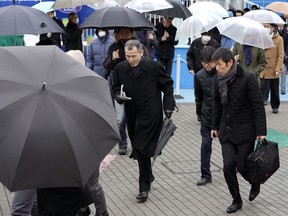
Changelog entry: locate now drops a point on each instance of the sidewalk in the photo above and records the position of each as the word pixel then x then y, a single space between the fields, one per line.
pixel 174 191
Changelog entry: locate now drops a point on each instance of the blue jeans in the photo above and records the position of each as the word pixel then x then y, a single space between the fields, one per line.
pixel 206 151
pixel 121 121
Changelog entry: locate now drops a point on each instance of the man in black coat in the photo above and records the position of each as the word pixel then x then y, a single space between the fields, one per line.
pixel 143 80
pixel 73 34
pixel 204 86
pixel 238 120
pixel 165 34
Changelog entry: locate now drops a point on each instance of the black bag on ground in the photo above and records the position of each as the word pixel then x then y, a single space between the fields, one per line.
pixel 263 161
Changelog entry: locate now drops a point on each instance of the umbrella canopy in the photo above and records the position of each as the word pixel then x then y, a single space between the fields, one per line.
pixel 264 16
pixel 148 5
pixel 246 31
pixel 197 24
pixel 56 117
pixel 16 19
pixel 167 131
pixel 44 6
pixel 210 7
pixel 178 10
pixel 105 3
pixel 280 7
pixel 115 17
pixel 72 3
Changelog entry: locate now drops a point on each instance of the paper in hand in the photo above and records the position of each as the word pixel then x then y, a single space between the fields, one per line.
pixel 122 95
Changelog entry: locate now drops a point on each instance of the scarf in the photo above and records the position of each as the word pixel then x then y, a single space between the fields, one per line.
pixel 248 54
pixel 223 82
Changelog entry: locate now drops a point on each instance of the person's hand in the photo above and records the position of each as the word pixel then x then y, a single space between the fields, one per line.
pixel 277 73
pixel 236 58
pixel 115 55
pixel 214 134
pixel 49 34
pixel 122 95
pixel 191 71
pixel 261 137
pixel 168 113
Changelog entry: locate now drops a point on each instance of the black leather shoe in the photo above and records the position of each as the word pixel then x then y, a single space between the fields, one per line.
pixel 204 181
pixel 234 207
pixel 255 190
pixel 142 196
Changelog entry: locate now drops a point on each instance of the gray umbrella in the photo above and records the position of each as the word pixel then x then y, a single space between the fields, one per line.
pixel 167 131
pixel 115 17
pixel 16 19
pixel 57 121
pixel 178 10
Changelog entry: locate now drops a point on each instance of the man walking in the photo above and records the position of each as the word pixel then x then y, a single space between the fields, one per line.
pixel 238 120
pixel 143 80
pixel 204 85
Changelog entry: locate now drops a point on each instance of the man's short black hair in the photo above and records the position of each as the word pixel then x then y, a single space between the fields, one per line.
pixel 223 54
pixel 255 7
pixel 206 54
pixel 246 10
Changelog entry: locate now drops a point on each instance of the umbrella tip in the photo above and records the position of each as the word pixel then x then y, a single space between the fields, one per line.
pixel 43 86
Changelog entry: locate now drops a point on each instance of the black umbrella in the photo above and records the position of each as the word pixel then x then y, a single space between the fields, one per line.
pixel 115 17
pixel 16 19
pixel 178 10
pixel 57 121
pixel 167 131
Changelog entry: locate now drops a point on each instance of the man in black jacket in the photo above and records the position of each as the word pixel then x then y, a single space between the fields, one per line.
pixel 165 34
pixel 238 120
pixel 203 86
pixel 73 34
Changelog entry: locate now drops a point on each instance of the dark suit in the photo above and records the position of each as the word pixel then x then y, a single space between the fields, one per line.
pixel 238 122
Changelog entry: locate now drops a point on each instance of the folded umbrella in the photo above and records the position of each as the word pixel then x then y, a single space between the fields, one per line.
pixel 57 121
pixel 167 131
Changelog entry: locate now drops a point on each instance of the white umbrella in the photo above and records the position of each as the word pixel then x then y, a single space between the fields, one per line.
pixel 210 7
pixel 264 16
pixel 246 31
pixel 72 3
pixel 105 3
pixel 197 24
pixel 44 6
pixel 148 5
pixel 280 7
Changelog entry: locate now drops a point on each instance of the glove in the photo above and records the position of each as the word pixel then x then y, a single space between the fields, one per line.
pixel 168 113
pixel 122 95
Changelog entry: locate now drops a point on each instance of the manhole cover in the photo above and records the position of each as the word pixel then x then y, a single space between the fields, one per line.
pixel 186 167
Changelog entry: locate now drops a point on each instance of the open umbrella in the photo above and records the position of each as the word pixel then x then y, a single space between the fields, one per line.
pixel 197 24
pixel 16 19
pixel 246 31
pixel 56 117
pixel 72 3
pixel 178 10
pixel 264 16
pixel 210 7
pixel 148 5
pixel 115 17
pixel 167 131
pixel 44 6
pixel 105 3
pixel 280 7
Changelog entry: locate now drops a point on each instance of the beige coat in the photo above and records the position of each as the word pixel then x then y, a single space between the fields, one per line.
pixel 274 58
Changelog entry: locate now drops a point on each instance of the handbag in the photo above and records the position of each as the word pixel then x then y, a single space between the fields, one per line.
pixel 263 162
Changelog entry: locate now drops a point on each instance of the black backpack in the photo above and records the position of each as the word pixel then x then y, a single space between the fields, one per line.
pixel 263 162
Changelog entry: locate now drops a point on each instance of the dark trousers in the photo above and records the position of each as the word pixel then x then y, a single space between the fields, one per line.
pixel 274 87
pixel 206 150
pixel 235 156
pixel 145 174
pixel 167 64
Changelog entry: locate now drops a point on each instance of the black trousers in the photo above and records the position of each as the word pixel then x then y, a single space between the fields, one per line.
pixel 167 64
pixel 145 174
pixel 206 150
pixel 235 156
pixel 274 87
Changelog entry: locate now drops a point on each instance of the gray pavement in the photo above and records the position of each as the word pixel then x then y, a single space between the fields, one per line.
pixel 174 191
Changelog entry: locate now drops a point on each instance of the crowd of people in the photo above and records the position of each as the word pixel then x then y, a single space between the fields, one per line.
pixel 232 83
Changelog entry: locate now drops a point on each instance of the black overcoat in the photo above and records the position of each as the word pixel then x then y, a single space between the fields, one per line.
pixel 243 117
pixel 144 113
